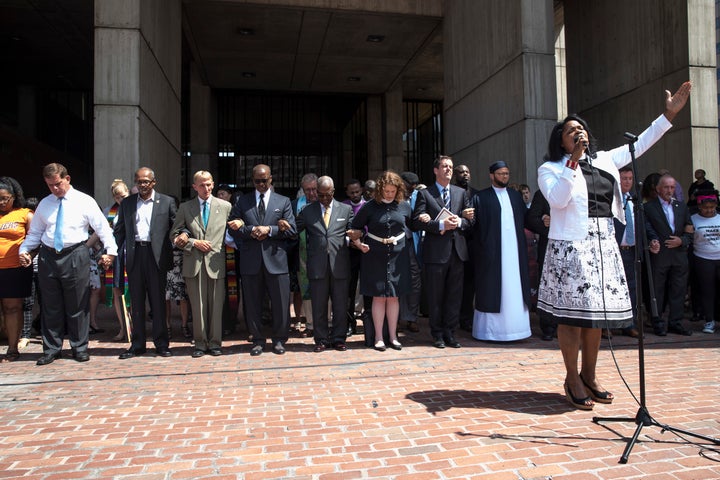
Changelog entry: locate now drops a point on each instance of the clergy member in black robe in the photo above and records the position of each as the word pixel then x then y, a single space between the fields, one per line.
pixel 502 280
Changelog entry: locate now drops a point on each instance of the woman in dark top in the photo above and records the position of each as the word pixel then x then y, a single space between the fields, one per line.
pixel 583 281
pixel 385 265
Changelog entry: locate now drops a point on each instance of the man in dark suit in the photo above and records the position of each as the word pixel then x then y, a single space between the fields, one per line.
pixel 444 250
pixel 625 236
pixel 670 260
pixel 144 222
pixel 461 174
pixel 328 263
pixel 262 241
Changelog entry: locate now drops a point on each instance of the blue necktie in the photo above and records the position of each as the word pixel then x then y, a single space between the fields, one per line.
pixel 446 198
pixel 205 213
pixel 59 221
pixel 629 223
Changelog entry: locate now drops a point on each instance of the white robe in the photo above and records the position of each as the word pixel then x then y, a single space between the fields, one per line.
pixel 513 321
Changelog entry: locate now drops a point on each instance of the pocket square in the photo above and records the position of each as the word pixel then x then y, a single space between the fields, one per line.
pixel 277 210
pixel 340 220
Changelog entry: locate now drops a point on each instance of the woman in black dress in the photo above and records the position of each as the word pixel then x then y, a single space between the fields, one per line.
pixel 385 265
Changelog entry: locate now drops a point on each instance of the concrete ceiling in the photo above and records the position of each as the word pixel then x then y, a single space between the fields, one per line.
pixel 50 43
pixel 237 45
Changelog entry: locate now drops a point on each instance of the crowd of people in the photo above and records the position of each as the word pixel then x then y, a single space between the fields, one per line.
pixel 392 248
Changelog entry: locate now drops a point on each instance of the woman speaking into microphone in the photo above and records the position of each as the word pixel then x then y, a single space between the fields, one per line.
pixel 583 282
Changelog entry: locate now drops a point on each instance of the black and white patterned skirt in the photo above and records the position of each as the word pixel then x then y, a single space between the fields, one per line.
pixel 583 281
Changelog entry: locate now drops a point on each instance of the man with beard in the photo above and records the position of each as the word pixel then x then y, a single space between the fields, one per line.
pixel 502 281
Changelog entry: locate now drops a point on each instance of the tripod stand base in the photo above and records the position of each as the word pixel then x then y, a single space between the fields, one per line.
pixel 643 419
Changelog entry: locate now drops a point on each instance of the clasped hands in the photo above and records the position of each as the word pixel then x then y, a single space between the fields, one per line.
pixel 671 242
pixel 183 239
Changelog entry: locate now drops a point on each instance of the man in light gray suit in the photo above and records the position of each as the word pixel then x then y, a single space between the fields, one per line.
pixel 199 229
pixel 328 263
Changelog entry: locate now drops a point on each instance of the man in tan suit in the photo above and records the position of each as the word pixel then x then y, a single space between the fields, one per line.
pixel 199 229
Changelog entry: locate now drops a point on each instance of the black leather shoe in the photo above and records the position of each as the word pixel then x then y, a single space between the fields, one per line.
pixel 660 331
pixel 48 359
pixel 438 343
pixel 130 353
pixel 546 337
pixel 319 347
pixel 680 330
pixel 340 346
pixel 256 350
pixel 163 352
pixel 81 356
pixel 452 343
pixel 215 352
pixel 278 348
pixel 198 353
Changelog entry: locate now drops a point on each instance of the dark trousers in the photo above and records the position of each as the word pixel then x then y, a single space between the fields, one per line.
pixel 65 283
pixel 467 304
pixel 628 258
pixel 443 291
pixel 670 279
pixel 147 281
pixel 706 289
pixel 335 290
pixel 254 288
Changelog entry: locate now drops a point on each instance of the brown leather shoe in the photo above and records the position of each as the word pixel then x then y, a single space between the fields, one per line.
pixel 413 327
pixel 633 332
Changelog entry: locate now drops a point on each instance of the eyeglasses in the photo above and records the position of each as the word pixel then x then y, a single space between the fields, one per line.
pixel 260 181
pixel 142 183
pixel 5 199
pixel 326 195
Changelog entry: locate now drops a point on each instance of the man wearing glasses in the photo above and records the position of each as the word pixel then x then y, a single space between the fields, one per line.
pixel 144 222
pixel 328 263
pixel 262 256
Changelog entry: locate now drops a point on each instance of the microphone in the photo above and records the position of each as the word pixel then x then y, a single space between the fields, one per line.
pixel 576 138
pixel 630 136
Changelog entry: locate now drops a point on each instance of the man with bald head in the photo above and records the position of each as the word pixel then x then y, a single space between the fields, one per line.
pixel 262 253
pixel 143 226
pixel 669 233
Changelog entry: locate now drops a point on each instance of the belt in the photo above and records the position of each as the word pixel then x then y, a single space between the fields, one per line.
pixel 64 250
pixel 389 240
pixel 141 243
pixel 627 247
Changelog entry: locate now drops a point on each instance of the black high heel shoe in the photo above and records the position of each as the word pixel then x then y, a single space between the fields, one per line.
pixel 600 397
pixel 579 403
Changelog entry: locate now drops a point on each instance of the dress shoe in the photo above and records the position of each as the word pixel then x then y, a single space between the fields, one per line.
pixel 48 359
pixel 81 356
pixel 256 350
pixel 395 345
pixel 94 331
pixel 380 346
pixel 22 343
pixel 340 346
pixel 215 352
pixel 680 330
pixel 438 343
pixel 547 337
pixel 660 331
pixel 198 353
pixel 413 327
pixel 163 352
pixel 452 343
pixel 631 332
pixel 130 353
pixel 278 348
pixel 307 333
pixel 319 347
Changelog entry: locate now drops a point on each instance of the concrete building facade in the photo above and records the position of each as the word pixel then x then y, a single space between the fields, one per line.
pixel 478 80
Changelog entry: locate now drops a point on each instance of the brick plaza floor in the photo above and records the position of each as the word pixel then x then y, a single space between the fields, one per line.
pixel 494 411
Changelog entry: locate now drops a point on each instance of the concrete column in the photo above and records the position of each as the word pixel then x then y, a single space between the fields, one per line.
pixel 137 92
pixel 617 81
pixel 203 127
pixel 500 97
pixel 394 157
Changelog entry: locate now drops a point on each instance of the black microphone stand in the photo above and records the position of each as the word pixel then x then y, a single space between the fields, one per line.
pixel 643 417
